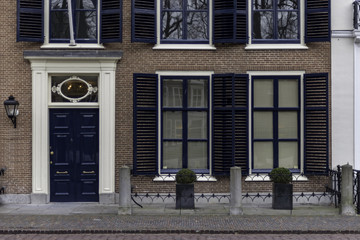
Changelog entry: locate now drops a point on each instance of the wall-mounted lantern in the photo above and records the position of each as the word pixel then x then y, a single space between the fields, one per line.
pixel 11 107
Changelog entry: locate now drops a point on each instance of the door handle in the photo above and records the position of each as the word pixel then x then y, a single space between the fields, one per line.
pixel 88 172
pixel 65 172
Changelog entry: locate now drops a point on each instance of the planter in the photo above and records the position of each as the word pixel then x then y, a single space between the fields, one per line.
pixel 282 196
pixel 185 196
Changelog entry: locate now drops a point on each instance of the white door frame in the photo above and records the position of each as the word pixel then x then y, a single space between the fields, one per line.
pixel 42 68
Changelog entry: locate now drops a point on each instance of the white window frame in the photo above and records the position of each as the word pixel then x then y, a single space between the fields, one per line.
pixel 184 46
pixel 264 177
pixel 171 177
pixel 301 45
pixel 48 45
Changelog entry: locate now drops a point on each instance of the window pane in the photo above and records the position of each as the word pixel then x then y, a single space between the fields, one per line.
pixel 172 125
pixel 172 4
pixel 263 155
pixel 172 93
pixel 197 24
pixel 73 89
pixel 86 24
pixel 197 4
pixel 263 125
pixel 197 155
pixel 172 155
pixel 288 93
pixel 198 93
pixel 59 25
pixel 288 4
pixel 197 125
pixel 263 4
pixel 288 25
pixel 86 4
pixel 288 125
pixel 263 93
pixel 59 4
pixel 172 25
pixel 288 155
pixel 263 25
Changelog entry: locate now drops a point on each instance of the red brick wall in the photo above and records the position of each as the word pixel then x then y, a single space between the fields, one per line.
pixel 15 77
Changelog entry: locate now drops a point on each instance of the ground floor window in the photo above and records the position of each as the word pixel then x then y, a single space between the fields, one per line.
pixel 275 122
pixel 184 120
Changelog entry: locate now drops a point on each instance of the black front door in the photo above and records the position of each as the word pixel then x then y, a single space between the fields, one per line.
pixel 74 155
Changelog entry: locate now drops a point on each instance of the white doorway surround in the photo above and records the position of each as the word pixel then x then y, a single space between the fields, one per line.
pixel 45 63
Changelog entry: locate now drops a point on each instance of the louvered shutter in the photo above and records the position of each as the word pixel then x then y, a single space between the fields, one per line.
pixel 230 123
pixel 145 124
pixel 230 21
pixel 316 132
pixel 143 21
pixel 111 21
pixel 30 23
pixel 317 20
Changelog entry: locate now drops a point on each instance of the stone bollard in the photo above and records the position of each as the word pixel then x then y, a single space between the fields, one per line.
pixel 235 191
pixel 124 191
pixel 347 197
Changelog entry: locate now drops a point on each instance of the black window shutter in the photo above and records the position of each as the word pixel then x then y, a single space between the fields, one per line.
pixel 111 21
pixel 145 124
pixel 230 123
pixel 30 21
pixel 230 21
pixel 317 21
pixel 316 132
pixel 143 21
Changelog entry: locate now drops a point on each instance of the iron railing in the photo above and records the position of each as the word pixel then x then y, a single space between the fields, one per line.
pixel 334 185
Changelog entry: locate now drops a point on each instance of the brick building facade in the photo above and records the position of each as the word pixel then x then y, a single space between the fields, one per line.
pixel 28 67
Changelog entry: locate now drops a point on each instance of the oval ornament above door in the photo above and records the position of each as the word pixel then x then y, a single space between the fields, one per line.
pixel 74 89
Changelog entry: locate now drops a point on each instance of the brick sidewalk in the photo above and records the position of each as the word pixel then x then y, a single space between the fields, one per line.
pixel 177 224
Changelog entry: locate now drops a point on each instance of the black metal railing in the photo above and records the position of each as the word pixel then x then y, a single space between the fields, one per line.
pixel 356 190
pixel 2 188
pixel 334 185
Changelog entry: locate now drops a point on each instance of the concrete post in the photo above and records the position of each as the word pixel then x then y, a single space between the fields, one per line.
pixel 124 191
pixel 347 198
pixel 235 191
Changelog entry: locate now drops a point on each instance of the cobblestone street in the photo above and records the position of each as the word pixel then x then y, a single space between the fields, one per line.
pixel 180 237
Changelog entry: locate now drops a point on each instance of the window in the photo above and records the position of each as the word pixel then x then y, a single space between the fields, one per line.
pixel 267 122
pixel 184 20
pixel 78 20
pixel 276 20
pixel 276 122
pixel 184 118
pixel 49 21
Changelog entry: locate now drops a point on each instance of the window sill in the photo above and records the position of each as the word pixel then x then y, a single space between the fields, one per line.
pixel 67 46
pixel 171 178
pixel 275 46
pixel 265 178
pixel 184 47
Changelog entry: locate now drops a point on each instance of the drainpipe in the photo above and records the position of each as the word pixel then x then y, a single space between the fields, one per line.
pixel 71 25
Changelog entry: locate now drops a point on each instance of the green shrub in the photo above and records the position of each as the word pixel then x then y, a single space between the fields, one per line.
pixel 281 175
pixel 185 176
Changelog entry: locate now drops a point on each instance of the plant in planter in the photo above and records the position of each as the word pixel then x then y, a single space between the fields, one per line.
pixel 185 179
pixel 282 188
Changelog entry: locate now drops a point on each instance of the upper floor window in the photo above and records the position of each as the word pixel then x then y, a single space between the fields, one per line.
pixel 275 20
pixel 230 21
pixel 69 22
pixel 76 22
pixel 184 20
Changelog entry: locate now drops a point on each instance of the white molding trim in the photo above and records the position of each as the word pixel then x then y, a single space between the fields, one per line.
pixel 184 47
pixel 356 100
pixel 67 46
pixel 265 178
pixel 42 68
pixel 259 46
